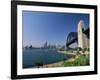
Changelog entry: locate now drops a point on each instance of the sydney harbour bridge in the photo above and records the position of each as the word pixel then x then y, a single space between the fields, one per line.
pixel 81 37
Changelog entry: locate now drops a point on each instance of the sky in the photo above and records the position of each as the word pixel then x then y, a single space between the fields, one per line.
pixel 53 27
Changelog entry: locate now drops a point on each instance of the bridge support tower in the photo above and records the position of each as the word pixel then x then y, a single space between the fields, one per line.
pixel 83 40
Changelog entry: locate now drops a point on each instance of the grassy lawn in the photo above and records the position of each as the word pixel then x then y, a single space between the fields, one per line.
pixel 81 60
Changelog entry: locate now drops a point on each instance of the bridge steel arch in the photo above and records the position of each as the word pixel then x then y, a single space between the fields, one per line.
pixel 71 38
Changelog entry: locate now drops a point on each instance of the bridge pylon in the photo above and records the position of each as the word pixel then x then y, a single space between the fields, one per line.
pixel 83 40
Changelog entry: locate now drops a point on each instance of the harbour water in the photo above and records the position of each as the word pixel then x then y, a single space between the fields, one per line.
pixel 34 57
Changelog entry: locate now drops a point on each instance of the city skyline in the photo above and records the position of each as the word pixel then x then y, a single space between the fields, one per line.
pixel 53 27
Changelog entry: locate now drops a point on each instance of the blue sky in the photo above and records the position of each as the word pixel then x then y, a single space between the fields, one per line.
pixel 39 27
